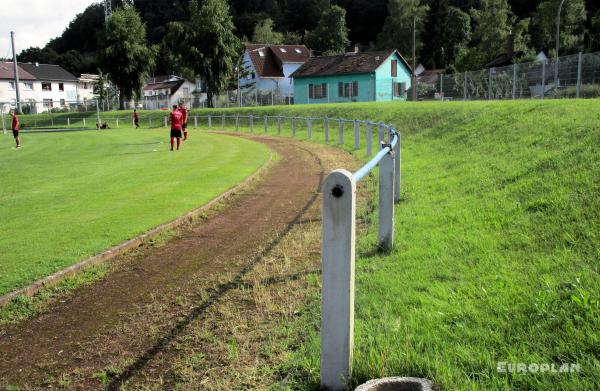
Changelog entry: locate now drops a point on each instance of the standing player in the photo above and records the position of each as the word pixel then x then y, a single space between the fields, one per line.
pixel 184 119
pixel 15 128
pixel 176 118
pixel 136 119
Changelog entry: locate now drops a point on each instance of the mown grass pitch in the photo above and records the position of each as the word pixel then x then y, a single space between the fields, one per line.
pixel 67 196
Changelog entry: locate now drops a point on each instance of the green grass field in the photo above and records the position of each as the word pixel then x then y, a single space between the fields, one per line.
pixel 67 196
pixel 497 250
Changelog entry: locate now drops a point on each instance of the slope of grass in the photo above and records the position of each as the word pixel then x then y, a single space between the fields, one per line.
pixel 67 196
pixel 497 247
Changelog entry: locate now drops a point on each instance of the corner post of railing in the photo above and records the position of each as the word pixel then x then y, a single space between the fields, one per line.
pixel 237 122
pixel 397 167
pixel 356 135
pixel 385 237
pixel 223 121
pixel 369 137
pixel 266 124
pixel 380 133
pixel 337 305
pixel 293 120
pixel 340 132
pixel 209 121
pixel 251 124
pixel 326 128
pixel 279 125
pixel 309 127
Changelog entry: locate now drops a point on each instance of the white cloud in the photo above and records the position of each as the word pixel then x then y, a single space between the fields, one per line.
pixel 35 22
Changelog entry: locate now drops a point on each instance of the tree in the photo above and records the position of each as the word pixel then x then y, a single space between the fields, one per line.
pixel 492 28
pixel 397 30
pixel 447 30
pixel 331 35
pixel 572 25
pixel 365 17
pixel 207 44
pixel 264 33
pixel 126 56
pixel 302 15
pixel 35 54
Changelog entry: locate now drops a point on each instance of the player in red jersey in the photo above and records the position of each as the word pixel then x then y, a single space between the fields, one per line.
pixel 184 119
pixel 15 128
pixel 176 118
pixel 136 119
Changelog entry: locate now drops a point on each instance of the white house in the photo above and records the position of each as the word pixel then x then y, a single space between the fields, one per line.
pixel 162 92
pixel 85 87
pixel 55 87
pixel 268 67
pixel 27 86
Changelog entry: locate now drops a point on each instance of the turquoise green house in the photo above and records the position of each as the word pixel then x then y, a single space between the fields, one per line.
pixel 352 77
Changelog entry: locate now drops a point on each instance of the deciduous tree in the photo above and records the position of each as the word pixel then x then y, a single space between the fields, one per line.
pixel 331 35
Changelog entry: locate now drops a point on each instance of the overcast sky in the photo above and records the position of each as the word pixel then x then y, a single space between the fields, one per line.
pixel 35 22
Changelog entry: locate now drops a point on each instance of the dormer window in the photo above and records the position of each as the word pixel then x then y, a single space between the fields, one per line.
pixel 298 50
pixel 283 50
pixel 261 53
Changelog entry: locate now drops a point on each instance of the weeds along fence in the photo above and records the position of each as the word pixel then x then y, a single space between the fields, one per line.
pixel 575 76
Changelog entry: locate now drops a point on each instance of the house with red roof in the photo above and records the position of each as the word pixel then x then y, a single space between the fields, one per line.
pixel 268 67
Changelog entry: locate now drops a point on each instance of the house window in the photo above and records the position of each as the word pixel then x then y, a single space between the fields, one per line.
pixel 62 102
pixel 348 90
pixel 186 91
pixel 46 86
pixel 261 53
pixel 399 89
pixel 298 50
pixel 253 75
pixel 11 85
pixel 61 86
pixel 85 86
pixel 28 86
pixel 317 91
pixel 394 68
pixel 48 103
pixel 283 50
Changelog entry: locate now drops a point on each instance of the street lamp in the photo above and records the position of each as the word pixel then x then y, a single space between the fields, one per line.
pixel 557 43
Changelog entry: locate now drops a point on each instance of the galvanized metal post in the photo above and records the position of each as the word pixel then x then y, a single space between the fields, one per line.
pixel 266 124
pixel 166 125
pixel 326 128
pixel 397 168
pixel 69 122
pixel 465 86
pixel 195 121
pixel 380 133
pixel 338 253
pixel 293 126
pixel 223 120
pixel 369 138
pixel 309 126
pixel 514 82
pixel 579 64
pixel 543 79
pixel 442 86
pixel 84 121
pixel 279 125
pixel 385 236
pixel 356 134
pixel 490 85
pixel 210 121
pixel 237 123
pixel 341 132
pixel 251 124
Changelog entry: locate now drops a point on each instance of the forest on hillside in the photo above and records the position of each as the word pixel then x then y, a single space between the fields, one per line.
pixel 451 34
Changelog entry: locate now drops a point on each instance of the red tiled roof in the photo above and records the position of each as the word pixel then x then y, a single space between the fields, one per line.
pixel 366 62
pixel 271 63
pixel 7 72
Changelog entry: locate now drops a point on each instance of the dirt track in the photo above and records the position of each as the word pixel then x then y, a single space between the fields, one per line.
pixel 115 321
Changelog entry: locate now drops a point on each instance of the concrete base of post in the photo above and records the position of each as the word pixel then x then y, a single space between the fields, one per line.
pixel 337 306
pixel 396 384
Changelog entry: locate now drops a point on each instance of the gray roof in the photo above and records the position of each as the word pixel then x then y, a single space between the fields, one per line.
pixel 47 72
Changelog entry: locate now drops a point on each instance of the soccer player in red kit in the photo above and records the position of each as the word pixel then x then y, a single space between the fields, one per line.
pixel 136 119
pixel 15 128
pixel 184 119
pixel 176 118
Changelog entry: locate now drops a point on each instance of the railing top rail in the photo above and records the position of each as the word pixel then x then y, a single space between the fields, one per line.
pixel 364 170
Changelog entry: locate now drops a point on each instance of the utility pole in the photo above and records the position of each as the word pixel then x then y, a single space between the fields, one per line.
pixel 414 80
pixel 557 43
pixel 16 70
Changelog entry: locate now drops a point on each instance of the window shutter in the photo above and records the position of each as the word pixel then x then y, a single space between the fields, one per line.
pixel 340 89
pixel 324 89
pixel 355 88
pixel 394 68
pixel 402 89
pixel 311 91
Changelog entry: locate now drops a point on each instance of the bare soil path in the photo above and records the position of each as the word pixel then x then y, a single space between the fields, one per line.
pixel 107 333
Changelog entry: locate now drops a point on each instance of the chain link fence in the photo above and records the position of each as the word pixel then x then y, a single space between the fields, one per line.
pixel 575 76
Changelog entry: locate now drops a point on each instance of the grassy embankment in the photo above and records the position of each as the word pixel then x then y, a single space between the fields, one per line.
pixel 497 247
pixel 67 196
